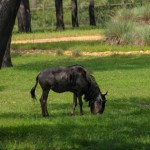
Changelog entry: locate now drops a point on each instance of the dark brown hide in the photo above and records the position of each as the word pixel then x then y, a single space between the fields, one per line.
pixel 75 79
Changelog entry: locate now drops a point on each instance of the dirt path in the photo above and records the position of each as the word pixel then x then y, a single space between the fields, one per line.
pixel 70 53
pixel 61 39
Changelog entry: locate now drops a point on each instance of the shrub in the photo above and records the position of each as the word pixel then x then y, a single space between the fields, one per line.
pixel 117 31
pixel 124 15
pixel 59 52
pixel 143 15
pixel 130 26
pixel 76 53
pixel 144 35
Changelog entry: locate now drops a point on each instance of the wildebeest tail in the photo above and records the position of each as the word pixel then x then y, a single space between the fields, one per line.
pixel 32 92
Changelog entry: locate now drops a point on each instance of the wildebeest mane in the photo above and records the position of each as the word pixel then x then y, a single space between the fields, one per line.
pixel 93 88
pixel 73 72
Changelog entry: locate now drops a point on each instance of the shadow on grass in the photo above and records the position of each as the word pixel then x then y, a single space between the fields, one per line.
pixel 57 45
pixel 119 128
pixel 72 136
pixel 93 63
pixel 2 88
pixel 56 110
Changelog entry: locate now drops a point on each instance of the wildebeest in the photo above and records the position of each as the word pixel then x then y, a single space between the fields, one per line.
pixel 76 79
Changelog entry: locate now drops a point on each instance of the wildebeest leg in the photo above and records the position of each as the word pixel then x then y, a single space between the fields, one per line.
pixel 74 103
pixel 43 101
pixel 80 104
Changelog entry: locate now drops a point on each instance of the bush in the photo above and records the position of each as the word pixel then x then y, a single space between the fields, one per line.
pixel 144 35
pixel 117 31
pixel 143 15
pixel 129 26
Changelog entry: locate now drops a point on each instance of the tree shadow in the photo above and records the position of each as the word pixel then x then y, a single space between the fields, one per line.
pixel 75 136
pixel 107 132
pixel 2 88
pixel 114 62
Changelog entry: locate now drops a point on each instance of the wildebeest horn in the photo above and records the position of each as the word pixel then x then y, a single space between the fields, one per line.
pixel 105 93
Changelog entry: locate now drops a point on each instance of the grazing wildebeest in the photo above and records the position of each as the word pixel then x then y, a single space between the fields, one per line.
pixel 75 79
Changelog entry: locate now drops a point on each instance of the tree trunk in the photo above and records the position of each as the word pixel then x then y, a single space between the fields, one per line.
pixel 8 12
pixel 59 15
pixel 7 58
pixel 24 17
pixel 91 13
pixel 74 10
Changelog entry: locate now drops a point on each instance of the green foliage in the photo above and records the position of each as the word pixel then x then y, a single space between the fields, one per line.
pixel 146 35
pixel 130 27
pixel 44 17
pixel 141 15
pixel 116 30
pixel 124 124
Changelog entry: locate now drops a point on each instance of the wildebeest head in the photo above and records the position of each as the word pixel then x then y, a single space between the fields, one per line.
pixel 98 105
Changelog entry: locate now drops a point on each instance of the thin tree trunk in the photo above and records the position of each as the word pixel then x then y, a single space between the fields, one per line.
pixel 8 12
pixel 91 13
pixel 24 17
pixel 74 10
pixel 59 15
pixel 7 58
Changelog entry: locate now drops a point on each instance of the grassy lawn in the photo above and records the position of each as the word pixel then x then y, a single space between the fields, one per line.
pixel 81 46
pixel 48 34
pixel 124 124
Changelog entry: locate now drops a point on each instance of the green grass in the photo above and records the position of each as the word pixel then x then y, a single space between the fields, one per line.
pixel 124 124
pixel 87 46
pixel 55 34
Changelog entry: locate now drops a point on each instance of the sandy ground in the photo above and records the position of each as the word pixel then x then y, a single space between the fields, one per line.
pixel 61 39
pixel 69 52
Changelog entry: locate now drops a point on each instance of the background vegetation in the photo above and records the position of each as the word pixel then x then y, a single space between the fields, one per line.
pixel 123 28
pixel 81 46
pixel 44 18
pixel 130 27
